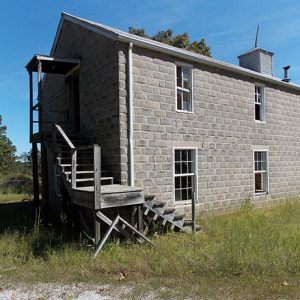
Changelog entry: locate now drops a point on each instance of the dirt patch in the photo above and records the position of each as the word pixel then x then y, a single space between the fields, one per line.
pixel 51 291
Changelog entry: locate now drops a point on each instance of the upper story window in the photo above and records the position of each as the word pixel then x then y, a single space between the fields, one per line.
pixel 260 114
pixel 184 88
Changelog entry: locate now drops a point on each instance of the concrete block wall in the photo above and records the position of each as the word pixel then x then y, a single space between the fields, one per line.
pixel 222 128
pixel 99 92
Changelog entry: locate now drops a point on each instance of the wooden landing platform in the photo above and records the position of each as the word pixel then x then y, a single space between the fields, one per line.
pixel 112 195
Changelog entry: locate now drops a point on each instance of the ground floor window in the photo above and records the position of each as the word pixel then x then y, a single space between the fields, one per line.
pixel 261 172
pixel 184 160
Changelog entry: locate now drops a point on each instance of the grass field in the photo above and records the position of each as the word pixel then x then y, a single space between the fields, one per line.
pixel 248 254
pixel 6 198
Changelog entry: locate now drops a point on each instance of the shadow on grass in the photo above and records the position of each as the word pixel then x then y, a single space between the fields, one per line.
pixel 16 216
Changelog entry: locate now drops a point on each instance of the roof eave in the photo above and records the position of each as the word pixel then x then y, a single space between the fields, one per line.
pixel 160 47
pixel 206 61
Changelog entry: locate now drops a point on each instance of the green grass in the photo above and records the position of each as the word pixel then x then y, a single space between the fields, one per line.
pixel 11 197
pixel 248 254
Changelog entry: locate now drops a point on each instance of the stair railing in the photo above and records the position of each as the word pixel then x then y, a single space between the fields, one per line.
pixel 57 129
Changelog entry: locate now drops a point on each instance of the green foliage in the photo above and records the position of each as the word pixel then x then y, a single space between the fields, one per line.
pixel 16 183
pixel 165 37
pixel 137 31
pixel 180 40
pixel 7 152
pixel 24 163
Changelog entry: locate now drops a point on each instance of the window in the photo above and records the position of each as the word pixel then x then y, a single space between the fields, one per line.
pixel 260 103
pixel 261 172
pixel 184 174
pixel 184 88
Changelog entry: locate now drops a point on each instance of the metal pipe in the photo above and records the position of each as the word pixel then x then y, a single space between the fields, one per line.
pixel 130 116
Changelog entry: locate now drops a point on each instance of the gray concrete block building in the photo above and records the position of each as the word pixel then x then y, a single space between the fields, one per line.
pixel 176 124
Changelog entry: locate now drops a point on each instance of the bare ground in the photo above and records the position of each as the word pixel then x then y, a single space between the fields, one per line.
pixel 52 291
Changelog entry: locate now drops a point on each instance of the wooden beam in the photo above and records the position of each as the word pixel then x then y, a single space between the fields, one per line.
pixel 35 175
pixel 97 190
pixel 30 106
pixel 97 176
pixel 73 168
pixel 45 182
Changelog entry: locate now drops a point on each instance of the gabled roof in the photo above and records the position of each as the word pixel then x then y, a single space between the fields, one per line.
pixel 125 37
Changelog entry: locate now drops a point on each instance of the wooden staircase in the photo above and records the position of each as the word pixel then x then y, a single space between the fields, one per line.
pixel 167 217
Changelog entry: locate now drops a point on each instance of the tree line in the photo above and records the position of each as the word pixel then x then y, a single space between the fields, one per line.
pixel 180 41
pixel 13 168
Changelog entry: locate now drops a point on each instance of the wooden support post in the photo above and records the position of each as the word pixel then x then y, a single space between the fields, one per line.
pixel 194 212
pixel 35 174
pixel 74 167
pixel 45 183
pixel 30 106
pixel 97 191
pixel 140 214
pixel 39 98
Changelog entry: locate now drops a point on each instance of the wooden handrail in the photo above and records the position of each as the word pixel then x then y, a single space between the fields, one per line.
pixel 74 151
pixel 64 135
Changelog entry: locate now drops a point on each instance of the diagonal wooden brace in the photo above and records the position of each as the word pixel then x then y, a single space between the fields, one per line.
pixel 114 225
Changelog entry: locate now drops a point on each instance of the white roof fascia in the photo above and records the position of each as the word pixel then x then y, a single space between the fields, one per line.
pixel 125 37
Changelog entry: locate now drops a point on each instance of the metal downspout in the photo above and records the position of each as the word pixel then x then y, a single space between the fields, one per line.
pixel 130 116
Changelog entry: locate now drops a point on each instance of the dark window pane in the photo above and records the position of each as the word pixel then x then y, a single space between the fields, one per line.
pixel 184 155
pixel 190 194
pixel 178 195
pixel 179 99
pixel 177 155
pixel 184 194
pixel 184 168
pixel 259 183
pixel 184 182
pixel 257 112
pixel 177 168
pixel 190 181
pixel 179 77
pixel 190 168
pixel 177 183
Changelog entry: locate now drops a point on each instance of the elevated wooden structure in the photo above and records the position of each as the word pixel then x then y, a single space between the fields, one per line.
pixel 77 165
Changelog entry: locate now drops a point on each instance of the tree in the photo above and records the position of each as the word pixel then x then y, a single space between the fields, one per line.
pixel 7 152
pixel 179 41
pixel 137 31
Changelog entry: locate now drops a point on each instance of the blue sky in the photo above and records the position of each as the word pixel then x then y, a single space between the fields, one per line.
pixel 229 27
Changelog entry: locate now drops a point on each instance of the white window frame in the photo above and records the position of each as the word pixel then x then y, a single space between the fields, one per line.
pixel 262 102
pixel 195 174
pixel 266 188
pixel 190 90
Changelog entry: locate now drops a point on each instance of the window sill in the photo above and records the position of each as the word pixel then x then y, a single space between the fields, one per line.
pixel 260 194
pixel 184 111
pixel 183 202
pixel 260 122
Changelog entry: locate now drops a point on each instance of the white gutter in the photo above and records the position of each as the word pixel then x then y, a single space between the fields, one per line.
pixel 130 116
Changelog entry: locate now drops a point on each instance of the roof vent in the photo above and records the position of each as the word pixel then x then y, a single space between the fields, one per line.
pixel 285 76
pixel 257 59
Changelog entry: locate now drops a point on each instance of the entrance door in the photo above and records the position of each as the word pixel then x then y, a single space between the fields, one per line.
pixel 74 113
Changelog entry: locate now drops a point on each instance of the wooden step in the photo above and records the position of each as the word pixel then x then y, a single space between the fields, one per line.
pixel 92 179
pixel 159 204
pixel 80 172
pixel 178 217
pixel 169 210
